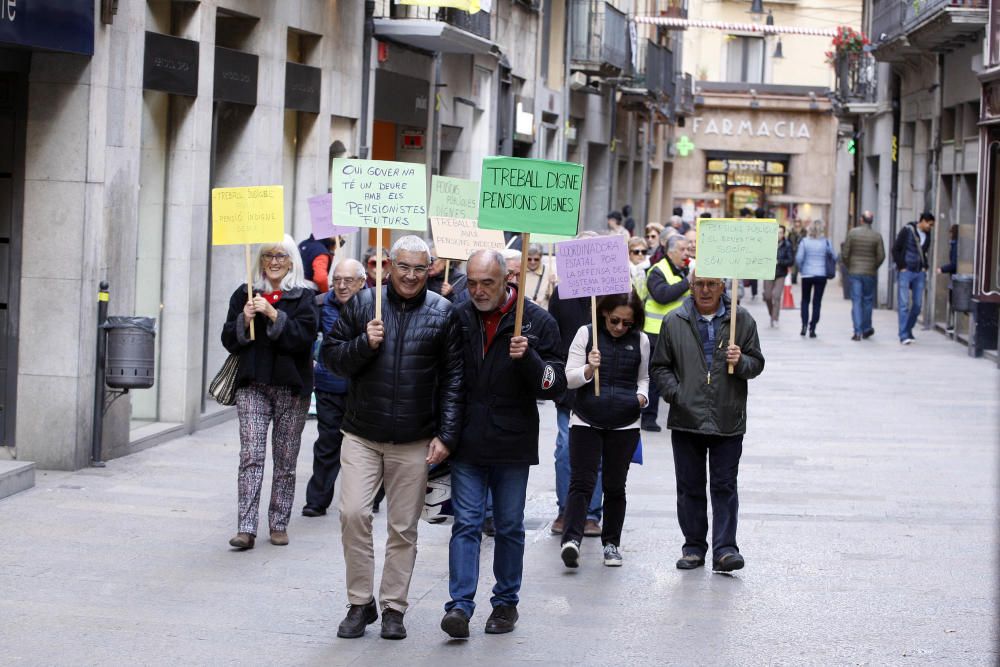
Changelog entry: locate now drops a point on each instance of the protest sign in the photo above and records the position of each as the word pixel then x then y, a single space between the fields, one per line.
pixel 455 198
pixel 522 195
pixel 456 238
pixel 736 248
pixel 593 267
pixel 321 216
pixel 378 193
pixel 248 215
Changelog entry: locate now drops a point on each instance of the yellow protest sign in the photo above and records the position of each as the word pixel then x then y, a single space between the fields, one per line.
pixel 248 215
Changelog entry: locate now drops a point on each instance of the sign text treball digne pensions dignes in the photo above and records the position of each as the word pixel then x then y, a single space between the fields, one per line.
pixel 729 127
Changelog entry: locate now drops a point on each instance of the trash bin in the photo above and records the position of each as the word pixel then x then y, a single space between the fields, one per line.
pixel 961 293
pixel 130 358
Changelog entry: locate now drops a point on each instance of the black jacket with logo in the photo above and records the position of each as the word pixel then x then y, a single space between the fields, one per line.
pixel 501 416
pixel 618 405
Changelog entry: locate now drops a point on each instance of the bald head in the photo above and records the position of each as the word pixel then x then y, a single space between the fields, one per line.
pixel 348 279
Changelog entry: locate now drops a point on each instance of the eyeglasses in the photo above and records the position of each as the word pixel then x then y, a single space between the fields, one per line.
pixel 652 236
pixel 406 269
pixel 638 252
pixel 372 262
pixel 268 257
pixel 615 321
pixel 534 259
pixel 705 285
pixel 345 281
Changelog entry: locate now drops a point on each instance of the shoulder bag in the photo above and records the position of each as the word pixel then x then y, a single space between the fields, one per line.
pixel 831 261
pixel 223 386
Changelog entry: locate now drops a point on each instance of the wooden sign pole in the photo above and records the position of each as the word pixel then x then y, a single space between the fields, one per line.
pixel 447 267
pixel 378 273
pixel 734 301
pixel 250 285
pixel 593 345
pixel 525 241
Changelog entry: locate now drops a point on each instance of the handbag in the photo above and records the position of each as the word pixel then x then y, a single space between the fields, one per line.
pixel 831 261
pixel 223 386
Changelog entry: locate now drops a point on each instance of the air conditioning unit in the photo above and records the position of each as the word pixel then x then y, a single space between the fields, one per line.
pixel 577 81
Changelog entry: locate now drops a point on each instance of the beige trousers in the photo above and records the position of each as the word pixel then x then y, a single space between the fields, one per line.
pixel 365 464
pixel 774 291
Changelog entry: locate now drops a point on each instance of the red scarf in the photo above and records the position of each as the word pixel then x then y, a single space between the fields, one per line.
pixel 272 297
pixel 491 321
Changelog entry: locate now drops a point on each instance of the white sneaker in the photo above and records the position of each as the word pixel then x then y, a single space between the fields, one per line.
pixel 571 554
pixel 612 557
pixel 908 341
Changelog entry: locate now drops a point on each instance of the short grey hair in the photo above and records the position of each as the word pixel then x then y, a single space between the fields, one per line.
pixel 510 253
pixel 357 267
pixel 672 241
pixel 296 274
pixel 494 255
pixel 409 243
pixel 535 249
pixel 676 220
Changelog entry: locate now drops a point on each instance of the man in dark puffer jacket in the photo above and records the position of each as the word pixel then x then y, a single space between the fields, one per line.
pixel 404 410
pixel 504 375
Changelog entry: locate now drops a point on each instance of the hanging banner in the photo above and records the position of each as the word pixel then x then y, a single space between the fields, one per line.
pixel 593 266
pixel 379 193
pixel 737 248
pixel 533 196
pixel 321 217
pixel 248 215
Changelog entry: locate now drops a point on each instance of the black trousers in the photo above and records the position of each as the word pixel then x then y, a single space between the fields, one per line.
pixel 326 450
pixel 723 453
pixel 812 290
pixel 652 409
pixel 588 447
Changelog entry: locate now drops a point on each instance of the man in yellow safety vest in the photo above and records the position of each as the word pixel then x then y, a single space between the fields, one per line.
pixel 666 288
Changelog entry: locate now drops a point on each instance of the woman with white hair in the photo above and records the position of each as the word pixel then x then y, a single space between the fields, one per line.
pixel 274 381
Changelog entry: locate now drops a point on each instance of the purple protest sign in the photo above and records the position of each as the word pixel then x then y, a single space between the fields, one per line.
pixel 593 267
pixel 321 215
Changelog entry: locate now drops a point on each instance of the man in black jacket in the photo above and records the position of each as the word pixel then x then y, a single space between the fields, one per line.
pixel 910 252
pixel 404 410
pixel 504 375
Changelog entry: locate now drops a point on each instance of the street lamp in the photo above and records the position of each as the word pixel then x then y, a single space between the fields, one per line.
pixel 778 53
pixel 757 7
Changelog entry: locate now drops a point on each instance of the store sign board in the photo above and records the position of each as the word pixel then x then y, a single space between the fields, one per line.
pixel 736 248
pixel 725 126
pixel 302 87
pixel 56 25
pixel 170 64
pixel 235 76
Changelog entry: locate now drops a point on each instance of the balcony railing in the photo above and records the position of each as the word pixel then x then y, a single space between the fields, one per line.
pixel 893 18
pixel 478 24
pixel 684 95
pixel 598 37
pixel 856 78
pixel 657 73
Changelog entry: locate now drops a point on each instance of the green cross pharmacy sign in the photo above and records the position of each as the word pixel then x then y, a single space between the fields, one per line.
pixel 684 146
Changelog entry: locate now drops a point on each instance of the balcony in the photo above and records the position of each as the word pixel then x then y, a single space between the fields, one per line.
pixel 434 29
pixel 684 96
pixel 598 38
pixel 857 87
pixel 904 28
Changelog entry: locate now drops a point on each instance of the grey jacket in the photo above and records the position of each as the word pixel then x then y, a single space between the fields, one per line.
pixel 863 251
pixel 705 400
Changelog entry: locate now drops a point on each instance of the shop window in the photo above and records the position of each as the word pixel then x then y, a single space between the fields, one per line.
pixel 745 59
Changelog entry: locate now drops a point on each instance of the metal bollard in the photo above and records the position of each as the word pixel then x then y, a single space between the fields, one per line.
pixel 102 344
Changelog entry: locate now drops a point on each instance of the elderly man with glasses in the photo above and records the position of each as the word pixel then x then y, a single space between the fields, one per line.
pixel 708 408
pixel 404 411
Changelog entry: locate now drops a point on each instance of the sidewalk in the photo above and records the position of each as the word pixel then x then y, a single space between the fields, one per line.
pixel 869 494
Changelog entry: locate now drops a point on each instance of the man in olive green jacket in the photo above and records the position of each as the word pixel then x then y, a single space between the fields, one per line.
pixel 863 252
pixel 707 415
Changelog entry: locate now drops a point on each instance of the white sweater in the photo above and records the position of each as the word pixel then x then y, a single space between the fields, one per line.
pixel 576 362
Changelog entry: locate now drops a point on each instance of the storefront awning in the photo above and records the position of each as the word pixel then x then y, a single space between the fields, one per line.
pixel 431 35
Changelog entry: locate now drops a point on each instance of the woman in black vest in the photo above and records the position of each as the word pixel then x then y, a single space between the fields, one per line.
pixel 605 427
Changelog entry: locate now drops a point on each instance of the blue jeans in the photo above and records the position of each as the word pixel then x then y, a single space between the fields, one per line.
pixel 562 469
pixel 862 302
pixel 910 298
pixel 509 485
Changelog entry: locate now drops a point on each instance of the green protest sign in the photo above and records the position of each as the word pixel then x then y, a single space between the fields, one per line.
pixel 379 193
pixel 455 198
pixel 737 248
pixel 533 196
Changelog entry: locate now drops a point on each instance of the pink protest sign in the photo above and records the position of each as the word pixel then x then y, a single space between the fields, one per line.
pixel 321 215
pixel 593 267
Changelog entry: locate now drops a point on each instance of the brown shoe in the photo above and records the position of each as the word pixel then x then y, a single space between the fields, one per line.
pixel 242 541
pixel 558 526
pixel 279 538
pixel 592 528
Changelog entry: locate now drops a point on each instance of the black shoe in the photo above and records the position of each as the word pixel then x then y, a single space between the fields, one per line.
pixel 570 554
pixel 803 332
pixel 313 511
pixel 812 333
pixel 456 624
pixel 651 426
pixel 392 625
pixel 855 337
pixel 502 620
pixel 358 616
pixel 489 528
pixel 868 334
pixel 728 563
pixel 690 562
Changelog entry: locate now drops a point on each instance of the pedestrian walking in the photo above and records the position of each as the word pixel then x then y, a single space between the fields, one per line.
pixel 910 254
pixel 666 286
pixel 795 236
pixel 811 259
pixel 274 382
pixel 863 254
pixel 774 289
pixel 331 393
pixel 707 415
pixel 504 375
pixel 404 410
pixel 605 428
pixel 570 315
pixel 652 235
